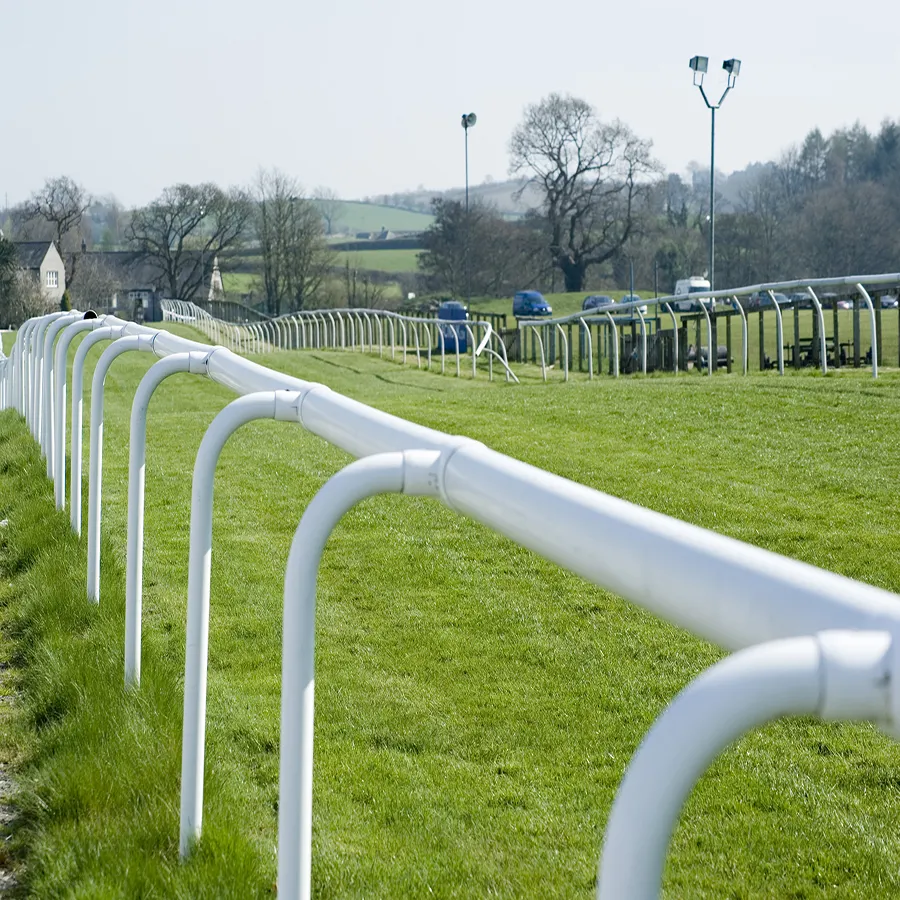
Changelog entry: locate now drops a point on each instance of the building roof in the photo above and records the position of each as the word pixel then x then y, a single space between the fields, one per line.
pixel 31 253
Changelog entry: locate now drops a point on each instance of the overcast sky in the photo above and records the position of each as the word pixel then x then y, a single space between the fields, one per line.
pixel 365 97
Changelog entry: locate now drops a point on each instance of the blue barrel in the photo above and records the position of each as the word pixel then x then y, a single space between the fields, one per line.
pixel 453 336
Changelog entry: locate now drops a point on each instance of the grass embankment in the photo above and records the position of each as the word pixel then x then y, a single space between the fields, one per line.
pixel 476 706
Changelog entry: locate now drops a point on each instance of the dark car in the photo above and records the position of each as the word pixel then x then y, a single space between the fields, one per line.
pixel 801 300
pixel 596 300
pixel 762 300
pixel 530 305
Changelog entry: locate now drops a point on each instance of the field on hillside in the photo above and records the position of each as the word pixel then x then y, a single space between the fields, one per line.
pixel 476 705
pixel 236 283
pixel 354 216
pixel 382 260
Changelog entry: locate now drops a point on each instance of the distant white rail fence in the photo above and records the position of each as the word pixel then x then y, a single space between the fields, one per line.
pixel 365 330
pixel 811 641
pixel 710 305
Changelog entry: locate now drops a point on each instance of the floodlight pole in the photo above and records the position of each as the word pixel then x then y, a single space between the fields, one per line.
pixel 468 120
pixel 712 174
pixel 468 283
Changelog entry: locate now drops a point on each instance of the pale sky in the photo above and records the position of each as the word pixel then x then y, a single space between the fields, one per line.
pixel 128 97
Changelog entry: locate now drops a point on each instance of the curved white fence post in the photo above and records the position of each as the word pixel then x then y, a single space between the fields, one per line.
pixel 61 366
pixel 709 347
pixel 637 309
pixel 535 334
pixel 41 389
pixel 284 405
pixel 49 378
pixel 779 332
pixel 193 361
pixel 564 348
pixel 821 319
pixel 874 329
pixel 418 349
pixel 104 333
pixel 615 343
pixel 745 344
pixel 674 337
pixel 837 675
pixel 95 473
pixel 409 472
pixel 471 337
pixel 590 347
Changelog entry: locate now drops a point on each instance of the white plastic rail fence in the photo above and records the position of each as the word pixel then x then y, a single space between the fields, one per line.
pixel 365 330
pixel 808 641
pixel 704 302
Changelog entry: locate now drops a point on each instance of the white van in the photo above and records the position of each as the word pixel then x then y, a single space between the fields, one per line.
pixel 686 286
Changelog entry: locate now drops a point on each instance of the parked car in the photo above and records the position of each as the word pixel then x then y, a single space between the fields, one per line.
pixel 596 300
pixel 801 300
pixel 888 302
pixel 530 305
pixel 762 300
pixel 633 298
pixel 844 303
pixel 828 300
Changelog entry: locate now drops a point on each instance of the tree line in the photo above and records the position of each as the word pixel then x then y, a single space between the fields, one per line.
pixel 828 206
pixel 180 235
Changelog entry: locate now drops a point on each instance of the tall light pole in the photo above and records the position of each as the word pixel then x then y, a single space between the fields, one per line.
pixel 699 65
pixel 468 121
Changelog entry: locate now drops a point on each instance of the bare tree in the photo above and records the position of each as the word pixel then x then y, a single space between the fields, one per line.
pixel 96 283
pixel 186 228
pixel 62 202
pixel 363 292
pixel 330 206
pixel 499 256
pixel 296 259
pixel 591 176
pixel 21 293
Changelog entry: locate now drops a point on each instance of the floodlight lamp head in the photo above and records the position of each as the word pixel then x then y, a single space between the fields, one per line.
pixel 732 67
pixel 699 65
pixel 468 120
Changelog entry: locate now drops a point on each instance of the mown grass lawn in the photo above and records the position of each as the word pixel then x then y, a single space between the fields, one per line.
pixel 476 705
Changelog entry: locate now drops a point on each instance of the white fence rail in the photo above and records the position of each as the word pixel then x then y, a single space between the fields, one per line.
pixel 365 330
pixel 704 303
pixel 725 591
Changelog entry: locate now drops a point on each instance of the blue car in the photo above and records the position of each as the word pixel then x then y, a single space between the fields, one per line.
pixel 530 305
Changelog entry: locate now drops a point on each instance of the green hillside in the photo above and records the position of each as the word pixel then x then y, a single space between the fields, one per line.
pixel 354 216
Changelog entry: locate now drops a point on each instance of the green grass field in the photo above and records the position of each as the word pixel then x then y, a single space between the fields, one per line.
pixel 382 260
pixel 354 216
pixel 236 283
pixel 476 705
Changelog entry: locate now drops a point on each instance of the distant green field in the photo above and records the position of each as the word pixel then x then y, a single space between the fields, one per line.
pixel 238 283
pixel 354 217
pixel 382 260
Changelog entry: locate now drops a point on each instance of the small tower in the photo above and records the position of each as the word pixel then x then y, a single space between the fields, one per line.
pixel 216 291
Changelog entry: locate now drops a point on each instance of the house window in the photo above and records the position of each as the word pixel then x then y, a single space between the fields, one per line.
pixel 53 279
